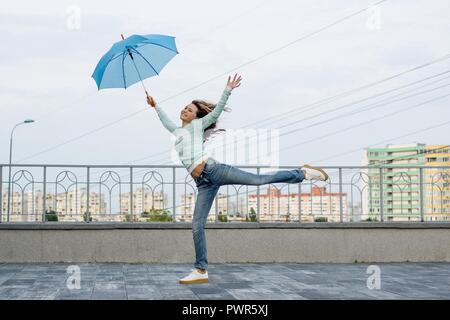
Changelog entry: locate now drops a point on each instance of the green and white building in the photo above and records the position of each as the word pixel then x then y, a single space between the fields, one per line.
pixel 399 195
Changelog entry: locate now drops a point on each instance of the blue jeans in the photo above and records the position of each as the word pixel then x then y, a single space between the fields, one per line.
pixel 216 174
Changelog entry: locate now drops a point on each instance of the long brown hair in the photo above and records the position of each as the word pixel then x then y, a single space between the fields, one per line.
pixel 203 108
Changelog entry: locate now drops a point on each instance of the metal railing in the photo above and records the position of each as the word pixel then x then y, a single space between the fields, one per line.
pixel 55 192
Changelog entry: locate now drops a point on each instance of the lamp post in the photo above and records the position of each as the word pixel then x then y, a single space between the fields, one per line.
pixel 10 157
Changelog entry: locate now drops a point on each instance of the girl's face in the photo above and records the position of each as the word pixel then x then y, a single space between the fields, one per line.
pixel 189 113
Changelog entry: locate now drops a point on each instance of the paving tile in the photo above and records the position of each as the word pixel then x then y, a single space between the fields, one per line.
pixel 204 289
pixel 108 295
pixel 75 293
pixel 216 296
pixel 234 285
pixel 109 285
pixel 19 283
pixel 178 295
pixel 145 296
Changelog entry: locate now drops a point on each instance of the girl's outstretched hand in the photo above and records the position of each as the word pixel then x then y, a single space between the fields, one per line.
pixel 235 82
pixel 151 101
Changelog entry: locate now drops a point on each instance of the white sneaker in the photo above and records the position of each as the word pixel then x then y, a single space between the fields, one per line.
pixel 313 173
pixel 195 277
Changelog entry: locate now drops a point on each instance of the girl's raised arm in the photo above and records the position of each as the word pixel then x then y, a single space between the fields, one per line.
pixel 166 121
pixel 212 117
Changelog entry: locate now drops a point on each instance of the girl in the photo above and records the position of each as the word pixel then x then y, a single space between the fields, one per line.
pixel 209 174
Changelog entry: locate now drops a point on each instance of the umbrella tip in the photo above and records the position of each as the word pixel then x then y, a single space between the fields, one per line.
pixel 122 36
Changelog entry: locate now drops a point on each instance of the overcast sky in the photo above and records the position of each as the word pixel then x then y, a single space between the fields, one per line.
pixel 48 56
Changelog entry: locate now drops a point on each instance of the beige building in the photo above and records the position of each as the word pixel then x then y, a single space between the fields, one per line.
pixel 69 206
pixel 274 206
pixel 143 200
pixel 437 183
pixel 187 207
pixel 278 207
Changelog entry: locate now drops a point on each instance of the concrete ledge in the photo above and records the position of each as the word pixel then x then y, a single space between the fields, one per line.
pixel 227 242
pixel 220 225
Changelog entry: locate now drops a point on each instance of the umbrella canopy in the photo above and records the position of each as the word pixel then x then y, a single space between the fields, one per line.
pixel 133 59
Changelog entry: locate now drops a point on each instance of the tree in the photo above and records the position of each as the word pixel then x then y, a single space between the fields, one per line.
pixel 251 216
pixel 85 217
pixel 221 217
pixel 157 215
pixel 130 218
pixel 51 215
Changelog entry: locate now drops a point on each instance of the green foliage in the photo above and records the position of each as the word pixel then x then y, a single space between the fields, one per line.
pixel 157 215
pixel 251 216
pixel 85 217
pixel 321 219
pixel 130 218
pixel 50 215
pixel 221 217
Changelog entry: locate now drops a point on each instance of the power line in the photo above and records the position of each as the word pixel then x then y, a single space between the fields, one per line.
pixel 353 126
pixel 370 107
pixel 370 121
pixel 327 100
pixel 366 108
pixel 378 95
pixel 346 93
pixel 207 81
pixel 370 97
pixel 373 105
pixel 226 23
pixel 386 141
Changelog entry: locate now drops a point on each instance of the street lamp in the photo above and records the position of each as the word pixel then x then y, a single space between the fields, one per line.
pixel 10 157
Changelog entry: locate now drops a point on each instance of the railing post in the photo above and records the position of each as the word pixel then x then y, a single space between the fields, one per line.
pixel 44 194
pixel 257 199
pixel 174 194
pixel 299 202
pixel 216 207
pixel 88 214
pixel 341 208
pixel 9 195
pixel 1 194
pixel 131 194
pixel 421 194
pixel 381 196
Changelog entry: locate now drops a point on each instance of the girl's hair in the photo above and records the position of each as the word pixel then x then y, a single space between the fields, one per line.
pixel 203 108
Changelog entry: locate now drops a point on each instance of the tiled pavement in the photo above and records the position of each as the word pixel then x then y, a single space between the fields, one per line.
pixel 226 281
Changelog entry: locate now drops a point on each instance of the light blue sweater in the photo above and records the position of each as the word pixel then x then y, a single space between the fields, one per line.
pixel 189 139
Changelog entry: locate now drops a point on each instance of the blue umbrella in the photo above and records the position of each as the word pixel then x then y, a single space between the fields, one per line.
pixel 134 59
